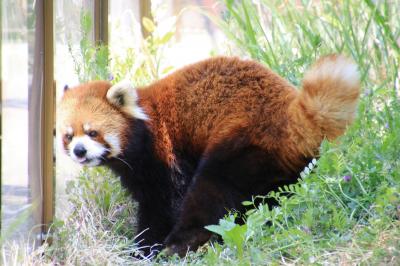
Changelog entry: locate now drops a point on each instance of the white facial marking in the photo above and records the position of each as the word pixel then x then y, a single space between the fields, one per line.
pixel 86 127
pixel 94 150
pixel 70 130
pixel 113 141
pixel 93 162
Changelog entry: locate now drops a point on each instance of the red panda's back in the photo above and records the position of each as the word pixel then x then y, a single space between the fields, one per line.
pixel 204 102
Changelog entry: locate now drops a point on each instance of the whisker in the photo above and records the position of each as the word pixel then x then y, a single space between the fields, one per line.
pixel 125 162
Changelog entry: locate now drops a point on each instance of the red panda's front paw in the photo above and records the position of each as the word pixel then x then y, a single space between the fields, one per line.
pixel 176 249
pixel 183 241
pixel 175 244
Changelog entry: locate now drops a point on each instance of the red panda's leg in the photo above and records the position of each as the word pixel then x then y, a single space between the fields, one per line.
pixel 225 178
pixel 205 203
pixel 152 232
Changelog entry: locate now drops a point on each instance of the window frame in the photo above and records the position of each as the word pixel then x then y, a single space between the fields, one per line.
pixel 41 146
pixel 41 151
pixel 100 22
pixel 48 115
pixel 100 28
pixel 144 11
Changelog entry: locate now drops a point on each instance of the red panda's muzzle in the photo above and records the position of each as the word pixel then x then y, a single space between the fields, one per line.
pixel 87 151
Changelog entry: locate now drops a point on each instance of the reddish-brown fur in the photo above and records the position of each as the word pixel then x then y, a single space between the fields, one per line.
pixel 205 104
pixel 227 118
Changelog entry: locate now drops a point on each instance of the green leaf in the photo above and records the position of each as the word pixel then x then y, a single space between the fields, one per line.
pixel 247 203
pixel 166 38
pixel 167 70
pixel 216 229
pixel 148 24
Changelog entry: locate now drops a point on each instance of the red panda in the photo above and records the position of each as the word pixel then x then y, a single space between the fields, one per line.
pixel 202 140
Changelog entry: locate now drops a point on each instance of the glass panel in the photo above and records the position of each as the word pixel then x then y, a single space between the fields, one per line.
pixel 125 42
pixel 18 41
pixel 69 31
pixel 68 34
pixel 196 37
pixel 193 37
pixel 125 32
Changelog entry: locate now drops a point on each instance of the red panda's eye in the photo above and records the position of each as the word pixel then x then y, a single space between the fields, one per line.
pixel 92 133
pixel 68 137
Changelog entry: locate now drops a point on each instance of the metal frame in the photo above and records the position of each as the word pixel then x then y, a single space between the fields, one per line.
pixel 48 115
pixel 41 120
pixel 145 11
pixel 100 22
pixel 100 9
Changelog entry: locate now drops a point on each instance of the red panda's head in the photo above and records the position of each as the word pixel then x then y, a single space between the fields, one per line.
pixel 93 120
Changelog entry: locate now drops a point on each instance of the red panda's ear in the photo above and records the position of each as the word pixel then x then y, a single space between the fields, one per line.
pixel 124 96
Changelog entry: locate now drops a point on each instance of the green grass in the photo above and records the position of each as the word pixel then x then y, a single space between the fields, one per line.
pixel 344 210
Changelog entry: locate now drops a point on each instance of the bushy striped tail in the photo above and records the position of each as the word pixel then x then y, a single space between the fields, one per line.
pixel 327 103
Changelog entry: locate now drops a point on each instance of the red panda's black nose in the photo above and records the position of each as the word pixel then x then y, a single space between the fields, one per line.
pixel 79 150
